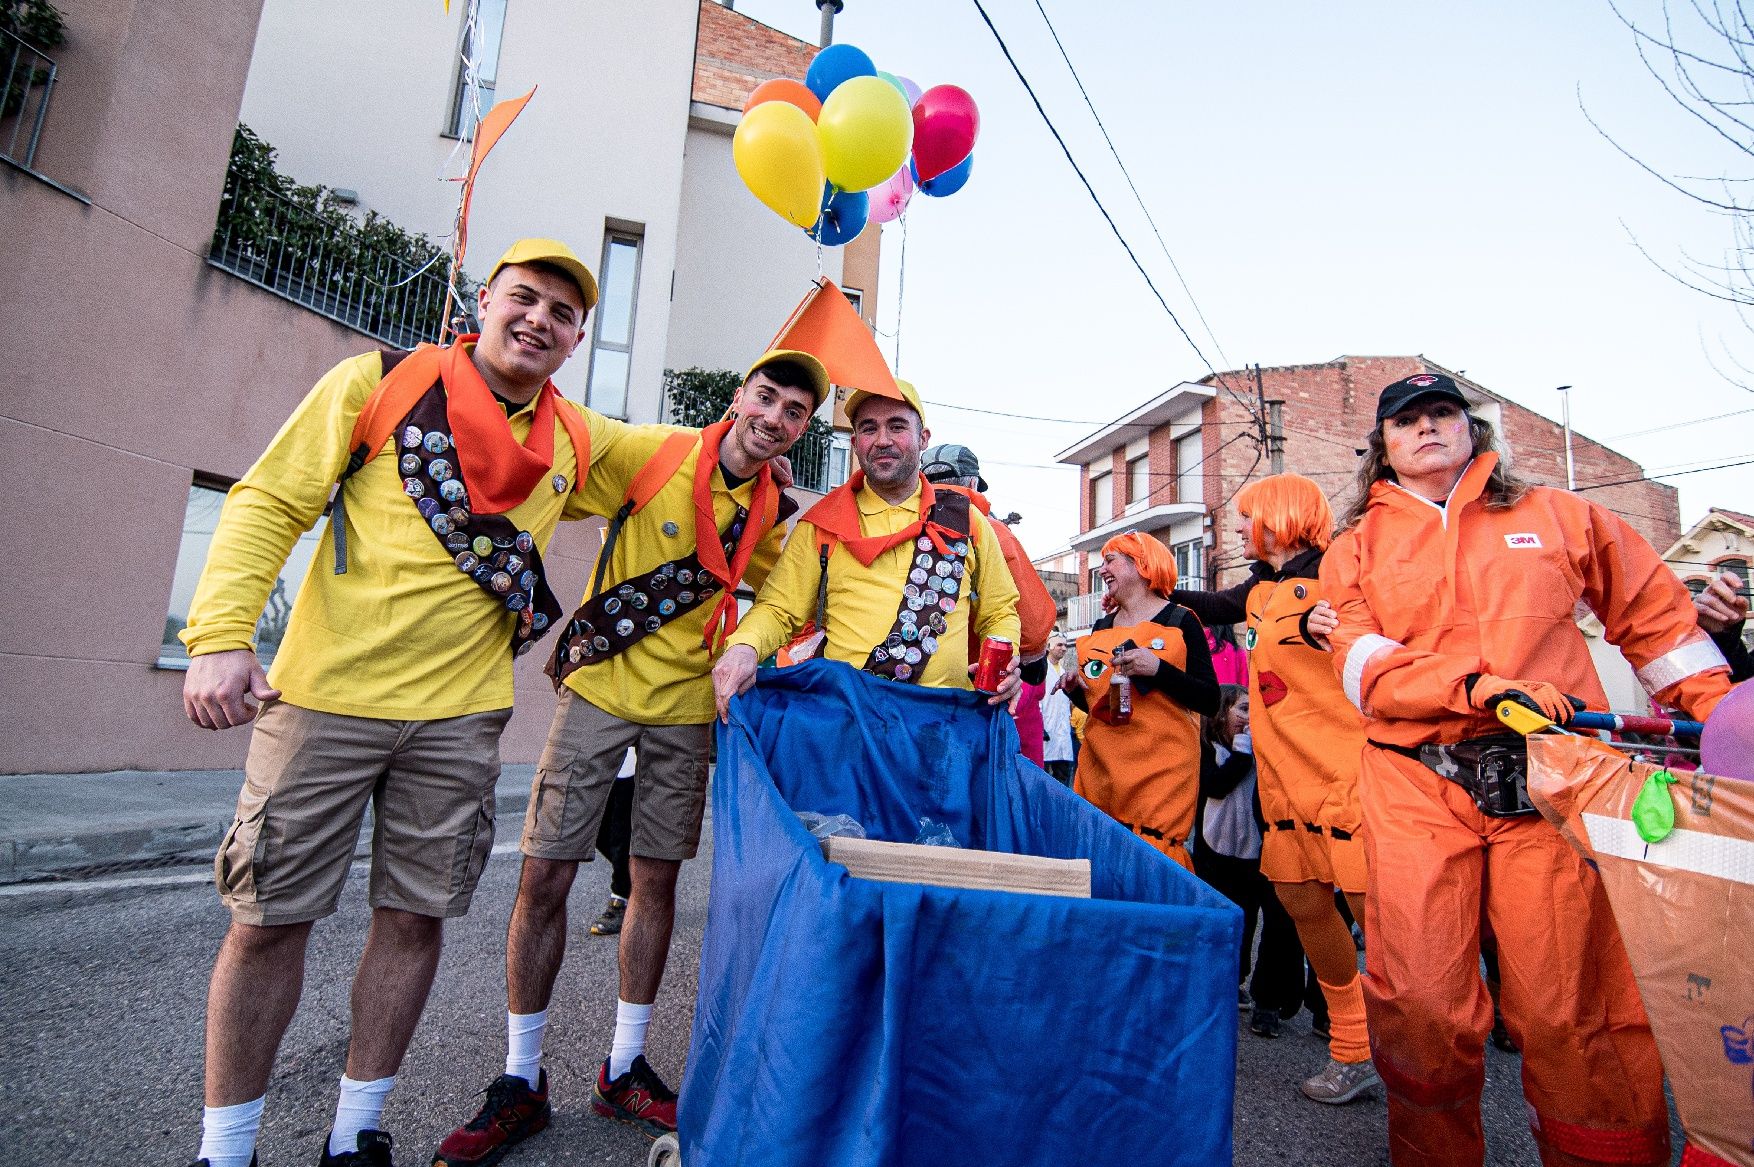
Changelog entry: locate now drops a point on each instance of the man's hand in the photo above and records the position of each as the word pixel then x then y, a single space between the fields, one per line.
pixel 733 675
pixel 218 688
pixel 782 470
pixel 1321 623
pixel 1135 662
pixel 1010 685
pixel 1072 680
pixel 1722 605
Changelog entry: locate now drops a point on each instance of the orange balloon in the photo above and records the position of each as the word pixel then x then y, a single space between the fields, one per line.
pixel 786 90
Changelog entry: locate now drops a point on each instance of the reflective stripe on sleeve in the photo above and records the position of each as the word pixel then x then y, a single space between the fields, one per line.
pixel 1357 657
pixel 1680 664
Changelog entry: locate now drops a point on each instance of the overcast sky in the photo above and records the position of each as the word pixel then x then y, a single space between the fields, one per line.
pixel 1356 178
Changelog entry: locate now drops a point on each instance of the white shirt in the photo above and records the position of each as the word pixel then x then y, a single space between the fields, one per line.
pixel 1228 826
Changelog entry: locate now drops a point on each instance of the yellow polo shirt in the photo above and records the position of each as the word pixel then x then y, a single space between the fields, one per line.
pixel 863 601
pixel 403 635
pixel 665 678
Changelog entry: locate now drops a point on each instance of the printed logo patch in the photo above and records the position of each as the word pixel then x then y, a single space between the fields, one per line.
pixel 1422 380
pixel 1526 539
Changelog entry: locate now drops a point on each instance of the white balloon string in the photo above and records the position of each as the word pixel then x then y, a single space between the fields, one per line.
pixel 900 289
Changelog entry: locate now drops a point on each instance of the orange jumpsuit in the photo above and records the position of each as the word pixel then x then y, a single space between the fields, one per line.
pixel 1146 773
pixel 1428 595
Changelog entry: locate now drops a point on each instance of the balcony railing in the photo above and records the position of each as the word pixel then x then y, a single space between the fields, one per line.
pixel 1082 611
pixel 24 104
pixel 321 260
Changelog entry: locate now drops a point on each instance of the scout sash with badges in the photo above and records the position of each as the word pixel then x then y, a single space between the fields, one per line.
pixel 934 581
pixel 611 621
pixel 428 397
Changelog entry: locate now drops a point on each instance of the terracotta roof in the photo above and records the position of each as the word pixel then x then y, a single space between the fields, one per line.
pixel 1738 516
pixel 734 53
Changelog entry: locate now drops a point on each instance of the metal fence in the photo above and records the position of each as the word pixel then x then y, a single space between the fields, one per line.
pixel 321 261
pixel 30 81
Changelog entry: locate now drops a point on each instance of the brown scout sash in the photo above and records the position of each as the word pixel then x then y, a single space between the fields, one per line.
pixel 502 560
pixel 610 622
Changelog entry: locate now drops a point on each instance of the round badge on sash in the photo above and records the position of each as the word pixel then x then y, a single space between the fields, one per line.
pixel 500 582
pixel 685 577
pixel 903 672
pixel 414 488
pixel 611 606
pixel 468 561
pixel 452 490
pixel 685 597
pixel 624 628
pixel 653 623
pixel 440 470
pixel 666 607
pixel 436 443
pixel 428 507
pixel 539 621
pixel 410 463
pixel 412 437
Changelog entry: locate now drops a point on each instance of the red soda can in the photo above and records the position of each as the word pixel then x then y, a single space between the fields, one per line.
pixel 995 659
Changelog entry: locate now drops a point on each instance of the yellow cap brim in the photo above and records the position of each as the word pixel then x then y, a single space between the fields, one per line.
pixel 557 253
pixel 820 386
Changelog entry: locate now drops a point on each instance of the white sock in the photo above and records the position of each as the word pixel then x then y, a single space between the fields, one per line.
pixel 228 1133
pixel 360 1108
pixel 523 1047
pixel 630 1036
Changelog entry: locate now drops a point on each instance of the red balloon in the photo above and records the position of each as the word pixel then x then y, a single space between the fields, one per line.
pixel 946 123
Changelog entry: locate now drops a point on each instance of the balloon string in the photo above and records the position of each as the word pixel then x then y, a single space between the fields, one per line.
pixel 900 290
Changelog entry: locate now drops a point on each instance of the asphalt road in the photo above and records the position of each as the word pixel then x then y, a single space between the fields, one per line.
pixel 100 1037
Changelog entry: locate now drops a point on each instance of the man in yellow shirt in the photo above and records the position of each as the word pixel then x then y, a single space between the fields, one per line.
pixel 632 669
pixel 910 571
pixel 394 680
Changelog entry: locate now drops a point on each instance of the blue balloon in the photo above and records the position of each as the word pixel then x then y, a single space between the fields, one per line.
pixel 835 64
pixel 844 214
pixel 950 181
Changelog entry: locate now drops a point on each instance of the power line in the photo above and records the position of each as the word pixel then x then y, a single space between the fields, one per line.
pixel 1669 474
pixel 1095 198
pixel 1137 197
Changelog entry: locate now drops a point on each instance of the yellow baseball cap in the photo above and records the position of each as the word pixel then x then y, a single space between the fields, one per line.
pixel 909 394
pixel 820 387
pixel 557 253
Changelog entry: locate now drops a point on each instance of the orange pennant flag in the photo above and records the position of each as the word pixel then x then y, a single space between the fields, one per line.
pixel 493 124
pixel 825 325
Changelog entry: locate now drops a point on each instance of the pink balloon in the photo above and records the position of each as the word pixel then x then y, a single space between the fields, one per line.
pixel 890 199
pixel 911 90
pixel 1726 748
pixel 946 123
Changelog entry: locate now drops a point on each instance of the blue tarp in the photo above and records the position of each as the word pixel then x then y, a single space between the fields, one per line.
pixel 844 1021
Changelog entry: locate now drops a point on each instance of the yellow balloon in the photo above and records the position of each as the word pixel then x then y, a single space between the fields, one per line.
pixel 777 156
pixel 866 131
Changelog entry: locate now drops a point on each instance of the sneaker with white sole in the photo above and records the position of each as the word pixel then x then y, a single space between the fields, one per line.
pixel 1340 1082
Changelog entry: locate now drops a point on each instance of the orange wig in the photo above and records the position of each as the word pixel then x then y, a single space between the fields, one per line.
pixel 1156 565
pixel 1290 508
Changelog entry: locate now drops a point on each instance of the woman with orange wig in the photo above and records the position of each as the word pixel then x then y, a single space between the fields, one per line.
pixel 1307 741
pixel 1143 768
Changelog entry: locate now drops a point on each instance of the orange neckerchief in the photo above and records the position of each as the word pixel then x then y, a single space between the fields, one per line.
pixel 837 516
pixel 498 472
pixel 764 511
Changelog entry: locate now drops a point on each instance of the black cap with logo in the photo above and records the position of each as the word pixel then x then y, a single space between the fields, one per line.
pixel 1406 391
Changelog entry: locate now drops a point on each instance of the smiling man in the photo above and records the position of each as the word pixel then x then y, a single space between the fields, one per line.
pixel 450 467
pixel 696 514
pixel 911 570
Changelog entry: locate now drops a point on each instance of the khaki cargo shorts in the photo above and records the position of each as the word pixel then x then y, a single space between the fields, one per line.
pixel 584 753
pixel 307 780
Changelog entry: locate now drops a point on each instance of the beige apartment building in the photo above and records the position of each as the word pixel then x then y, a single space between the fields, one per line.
pixel 159 339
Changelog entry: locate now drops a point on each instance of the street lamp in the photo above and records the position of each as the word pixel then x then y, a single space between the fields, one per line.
pixel 829 9
pixel 1570 473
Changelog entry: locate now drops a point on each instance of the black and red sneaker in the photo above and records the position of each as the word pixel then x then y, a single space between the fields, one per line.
pixel 512 1113
pixel 638 1096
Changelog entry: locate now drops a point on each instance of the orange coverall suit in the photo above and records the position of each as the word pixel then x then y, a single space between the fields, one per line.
pixel 1145 774
pixel 1428 595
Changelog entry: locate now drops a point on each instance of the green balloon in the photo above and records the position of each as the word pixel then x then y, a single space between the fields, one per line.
pixel 895 81
pixel 1653 812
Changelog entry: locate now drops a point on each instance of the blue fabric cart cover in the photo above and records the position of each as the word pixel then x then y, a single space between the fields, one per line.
pixel 843 1021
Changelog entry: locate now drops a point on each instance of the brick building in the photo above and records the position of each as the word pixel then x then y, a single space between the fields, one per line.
pixel 1171 467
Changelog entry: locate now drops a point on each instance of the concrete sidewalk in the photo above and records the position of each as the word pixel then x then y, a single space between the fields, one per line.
pixel 76 826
